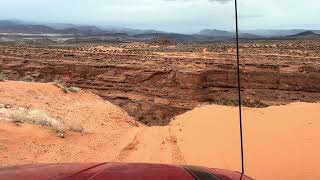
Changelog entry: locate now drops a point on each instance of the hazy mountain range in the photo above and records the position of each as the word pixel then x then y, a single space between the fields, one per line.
pixel 11 27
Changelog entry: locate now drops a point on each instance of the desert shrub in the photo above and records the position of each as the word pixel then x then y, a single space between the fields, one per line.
pixel 65 89
pixel 140 118
pixel 32 117
pixel 235 102
pixel 58 84
pixel 74 89
pixel 2 77
pixel 56 81
pixel 254 104
pixel 27 78
pixel 153 120
pixel 226 102
pixel 143 120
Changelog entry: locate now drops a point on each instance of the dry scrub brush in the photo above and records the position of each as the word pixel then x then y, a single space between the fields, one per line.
pixel 65 89
pixel 19 114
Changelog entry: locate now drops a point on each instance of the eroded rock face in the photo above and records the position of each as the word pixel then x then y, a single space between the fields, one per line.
pixel 155 87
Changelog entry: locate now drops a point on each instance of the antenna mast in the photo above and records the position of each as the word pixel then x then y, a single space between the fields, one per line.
pixel 239 85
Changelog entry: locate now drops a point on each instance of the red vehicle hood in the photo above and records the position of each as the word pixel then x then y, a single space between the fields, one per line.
pixel 115 171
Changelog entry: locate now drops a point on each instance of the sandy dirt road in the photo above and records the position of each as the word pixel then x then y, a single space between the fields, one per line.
pixel 281 142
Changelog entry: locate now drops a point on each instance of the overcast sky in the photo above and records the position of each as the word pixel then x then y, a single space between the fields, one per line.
pixel 185 16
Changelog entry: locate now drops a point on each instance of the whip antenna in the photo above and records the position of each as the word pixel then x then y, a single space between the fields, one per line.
pixel 239 86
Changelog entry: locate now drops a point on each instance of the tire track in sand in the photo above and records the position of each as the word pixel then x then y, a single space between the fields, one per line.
pixel 132 146
pixel 152 145
pixel 176 154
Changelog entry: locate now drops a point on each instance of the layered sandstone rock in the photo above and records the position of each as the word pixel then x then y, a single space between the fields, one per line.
pixel 154 87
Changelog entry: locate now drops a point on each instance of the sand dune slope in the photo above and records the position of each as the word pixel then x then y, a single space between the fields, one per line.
pixel 83 107
pixel 106 128
pixel 281 142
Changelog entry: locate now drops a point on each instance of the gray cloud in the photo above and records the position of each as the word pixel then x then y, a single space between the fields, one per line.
pixel 187 16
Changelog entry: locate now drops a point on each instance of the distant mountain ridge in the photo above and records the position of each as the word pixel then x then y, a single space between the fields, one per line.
pixel 226 34
pixel 277 32
pixel 16 26
pixel 304 35
pixel 215 33
pixel 7 26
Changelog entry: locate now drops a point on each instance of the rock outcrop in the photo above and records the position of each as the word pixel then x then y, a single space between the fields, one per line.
pixel 154 88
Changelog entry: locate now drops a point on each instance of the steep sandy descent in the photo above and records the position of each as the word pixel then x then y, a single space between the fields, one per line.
pixel 281 142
